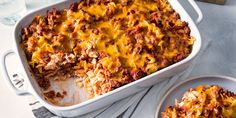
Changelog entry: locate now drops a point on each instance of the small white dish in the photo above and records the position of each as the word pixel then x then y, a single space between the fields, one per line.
pixel 177 91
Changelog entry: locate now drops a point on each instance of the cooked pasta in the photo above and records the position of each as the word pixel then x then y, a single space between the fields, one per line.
pixel 204 102
pixel 107 43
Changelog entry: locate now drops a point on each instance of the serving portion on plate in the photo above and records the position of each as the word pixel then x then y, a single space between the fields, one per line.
pixel 205 102
pixel 203 97
pixel 105 44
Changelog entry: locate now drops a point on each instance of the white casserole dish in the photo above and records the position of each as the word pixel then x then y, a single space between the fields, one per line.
pixel 110 97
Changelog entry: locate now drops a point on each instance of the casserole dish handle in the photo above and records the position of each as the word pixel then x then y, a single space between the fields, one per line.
pixel 6 75
pixel 197 10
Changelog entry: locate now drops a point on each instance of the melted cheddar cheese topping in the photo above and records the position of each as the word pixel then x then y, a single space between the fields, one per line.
pixel 204 102
pixel 108 43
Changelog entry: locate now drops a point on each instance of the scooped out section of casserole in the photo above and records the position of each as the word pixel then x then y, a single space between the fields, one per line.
pixel 204 102
pixel 105 44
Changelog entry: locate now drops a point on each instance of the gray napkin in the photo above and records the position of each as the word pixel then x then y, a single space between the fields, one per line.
pixel 217 56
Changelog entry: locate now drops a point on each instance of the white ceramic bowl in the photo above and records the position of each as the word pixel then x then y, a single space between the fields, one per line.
pixel 110 97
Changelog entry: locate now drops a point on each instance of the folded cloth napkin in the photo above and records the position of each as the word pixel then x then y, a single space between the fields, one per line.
pixel 217 56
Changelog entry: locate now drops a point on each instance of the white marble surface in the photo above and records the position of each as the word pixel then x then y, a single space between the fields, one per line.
pixel 11 105
pixel 218 26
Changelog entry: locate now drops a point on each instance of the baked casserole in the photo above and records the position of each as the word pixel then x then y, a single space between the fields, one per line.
pixel 105 44
pixel 204 102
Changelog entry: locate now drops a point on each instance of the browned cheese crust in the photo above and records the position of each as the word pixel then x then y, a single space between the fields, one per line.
pixel 204 102
pixel 105 43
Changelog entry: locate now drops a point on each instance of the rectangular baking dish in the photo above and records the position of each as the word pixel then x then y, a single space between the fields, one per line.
pixel 110 97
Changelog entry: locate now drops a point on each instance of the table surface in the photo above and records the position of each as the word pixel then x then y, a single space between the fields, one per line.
pixel 13 106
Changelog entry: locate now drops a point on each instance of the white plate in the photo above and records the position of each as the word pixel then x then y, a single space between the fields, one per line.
pixel 177 91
